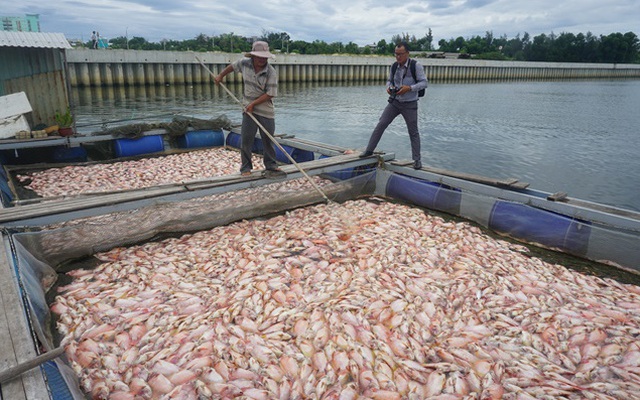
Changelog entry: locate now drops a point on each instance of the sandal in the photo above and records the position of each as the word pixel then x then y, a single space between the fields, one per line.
pixel 245 173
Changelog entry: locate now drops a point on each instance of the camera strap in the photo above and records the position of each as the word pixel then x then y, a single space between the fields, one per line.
pixel 412 65
pixel 394 68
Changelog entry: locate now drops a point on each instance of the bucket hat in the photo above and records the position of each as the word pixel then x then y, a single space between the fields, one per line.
pixel 260 49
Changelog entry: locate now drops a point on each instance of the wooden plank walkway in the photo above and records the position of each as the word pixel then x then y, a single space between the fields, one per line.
pixel 512 183
pixel 16 345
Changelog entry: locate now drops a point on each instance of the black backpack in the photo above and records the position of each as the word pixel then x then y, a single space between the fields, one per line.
pixel 412 65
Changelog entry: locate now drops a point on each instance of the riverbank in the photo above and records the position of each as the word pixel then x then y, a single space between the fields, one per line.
pixel 139 67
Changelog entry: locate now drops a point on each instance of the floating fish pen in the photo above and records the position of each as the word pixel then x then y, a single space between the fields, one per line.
pixel 361 278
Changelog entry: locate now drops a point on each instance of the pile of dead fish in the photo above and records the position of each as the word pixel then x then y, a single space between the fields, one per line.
pixel 134 174
pixel 236 197
pixel 367 299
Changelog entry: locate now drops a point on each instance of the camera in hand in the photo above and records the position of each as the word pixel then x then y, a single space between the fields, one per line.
pixel 393 91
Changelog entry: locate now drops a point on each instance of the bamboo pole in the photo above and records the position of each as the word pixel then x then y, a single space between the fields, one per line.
pixel 21 368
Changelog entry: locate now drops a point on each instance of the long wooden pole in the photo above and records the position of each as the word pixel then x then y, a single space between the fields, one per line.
pixel 21 368
pixel 267 133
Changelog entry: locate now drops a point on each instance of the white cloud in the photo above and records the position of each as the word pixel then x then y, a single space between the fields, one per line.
pixel 360 21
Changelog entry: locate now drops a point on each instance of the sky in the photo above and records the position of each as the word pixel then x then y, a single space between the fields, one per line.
pixel 359 21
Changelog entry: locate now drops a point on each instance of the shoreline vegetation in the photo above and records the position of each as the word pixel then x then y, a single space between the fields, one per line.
pixel 564 47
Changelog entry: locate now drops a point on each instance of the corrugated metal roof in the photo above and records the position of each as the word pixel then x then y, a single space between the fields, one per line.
pixel 34 39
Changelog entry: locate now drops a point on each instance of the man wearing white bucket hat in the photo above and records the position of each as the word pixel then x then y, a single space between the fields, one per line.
pixel 260 87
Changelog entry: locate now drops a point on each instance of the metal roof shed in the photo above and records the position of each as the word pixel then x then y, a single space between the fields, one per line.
pixel 35 63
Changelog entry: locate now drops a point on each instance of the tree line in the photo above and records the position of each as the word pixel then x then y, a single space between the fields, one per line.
pixel 564 47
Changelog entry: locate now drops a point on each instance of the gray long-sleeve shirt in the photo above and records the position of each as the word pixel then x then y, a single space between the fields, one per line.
pixel 403 77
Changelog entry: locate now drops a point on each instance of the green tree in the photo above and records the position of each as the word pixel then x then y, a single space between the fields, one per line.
pixel 428 41
pixel 231 43
pixel 590 48
pixel 203 43
pixel 475 45
pixel 276 40
pixel 488 44
pixel 632 54
pixel 336 48
pixel 352 48
pixel 317 47
pixel 566 47
pixel 539 48
pixel 513 48
pixel 138 43
pixel 119 42
pixel 298 46
pixel 382 47
pixel 619 48
pixel 452 45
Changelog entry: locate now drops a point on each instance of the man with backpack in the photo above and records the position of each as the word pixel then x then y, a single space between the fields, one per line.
pixel 407 82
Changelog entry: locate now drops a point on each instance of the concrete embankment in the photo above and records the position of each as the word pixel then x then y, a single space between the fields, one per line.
pixel 136 67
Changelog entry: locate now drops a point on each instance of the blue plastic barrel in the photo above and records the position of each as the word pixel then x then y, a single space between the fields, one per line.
pixel 303 155
pixel 423 193
pixel 26 156
pixel 5 191
pixel 59 388
pixel 234 140
pixel 143 145
pixel 195 139
pixel 63 154
pixel 258 147
pixel 342 174
pixel 540 226
pixel 280 156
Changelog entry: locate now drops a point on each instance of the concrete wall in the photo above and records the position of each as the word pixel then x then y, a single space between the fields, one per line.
pixel 136 67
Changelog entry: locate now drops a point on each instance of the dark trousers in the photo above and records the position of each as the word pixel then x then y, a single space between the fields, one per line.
pixel 409 112
pixel 248 135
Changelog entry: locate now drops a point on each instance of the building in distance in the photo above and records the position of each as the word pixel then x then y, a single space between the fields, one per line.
pixel 28 23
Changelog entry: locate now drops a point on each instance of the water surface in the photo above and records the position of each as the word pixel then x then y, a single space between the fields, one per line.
pixel 579 137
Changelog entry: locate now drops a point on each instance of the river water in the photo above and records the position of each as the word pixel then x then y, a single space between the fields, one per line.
pixel 579 137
